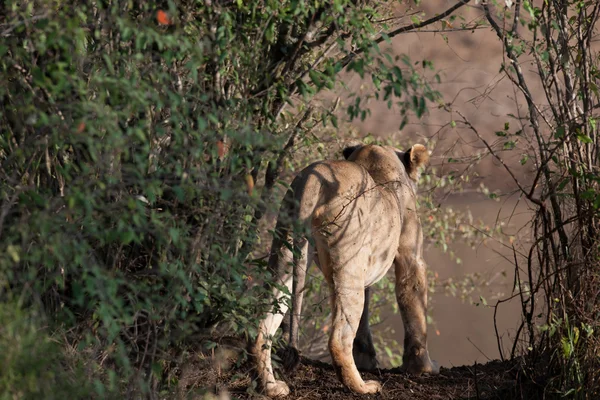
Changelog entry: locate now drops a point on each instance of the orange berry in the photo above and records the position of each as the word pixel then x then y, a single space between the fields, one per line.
pixel 163 18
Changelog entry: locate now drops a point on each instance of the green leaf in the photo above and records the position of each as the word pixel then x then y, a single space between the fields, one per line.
pixel 13 252
pixel 109 64
pixel 483 300
pixel 315 77
pixel 584 138
pixel 174 234
pixel 588 194
pixel 597 202
pixel 127 237
pixel 509 145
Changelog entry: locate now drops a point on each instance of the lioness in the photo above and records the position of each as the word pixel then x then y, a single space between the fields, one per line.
pixel 360 216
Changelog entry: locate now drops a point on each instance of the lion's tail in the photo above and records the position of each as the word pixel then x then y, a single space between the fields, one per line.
pixel 296 233
pixel 291 358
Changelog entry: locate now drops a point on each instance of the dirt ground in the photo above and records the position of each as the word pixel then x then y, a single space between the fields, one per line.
pixel 216 376
pixel 316 380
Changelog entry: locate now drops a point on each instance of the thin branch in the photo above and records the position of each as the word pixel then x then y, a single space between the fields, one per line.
pixel 383 21
pixel 478 349
pixel 292 82
pixel 534 113
pixel 497 157
pixel 498 338
pixel 515 26
pixel 323 37
pixel 6 32
pixel 451 30
pixel 274 170
pixel 6 208
pixel 346 60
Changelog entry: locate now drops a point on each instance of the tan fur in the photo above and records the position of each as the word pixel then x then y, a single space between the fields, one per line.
pixel 360 217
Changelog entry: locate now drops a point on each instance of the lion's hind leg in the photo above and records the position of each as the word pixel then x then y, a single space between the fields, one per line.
pixel 411 293
pixel 347 307
pixel 262 351
pixel 363 349
pixel 280 261
pixel 303 257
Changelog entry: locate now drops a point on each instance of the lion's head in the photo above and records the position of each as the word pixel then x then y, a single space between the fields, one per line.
pixel 383 161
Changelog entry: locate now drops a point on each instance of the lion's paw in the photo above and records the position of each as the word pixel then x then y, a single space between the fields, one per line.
pixel 372 387
pixel 277 389
pixel 420 363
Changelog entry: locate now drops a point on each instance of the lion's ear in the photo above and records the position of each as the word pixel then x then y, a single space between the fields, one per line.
pixel 347 152
pixel 415 158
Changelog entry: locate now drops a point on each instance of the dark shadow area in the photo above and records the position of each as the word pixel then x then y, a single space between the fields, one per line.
pixel 317 380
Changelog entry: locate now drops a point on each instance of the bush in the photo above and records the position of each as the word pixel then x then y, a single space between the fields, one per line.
pixel 33 363
pixel 557 276
pixel 134 138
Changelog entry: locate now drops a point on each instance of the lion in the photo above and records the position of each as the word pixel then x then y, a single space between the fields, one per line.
pixel 357 217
